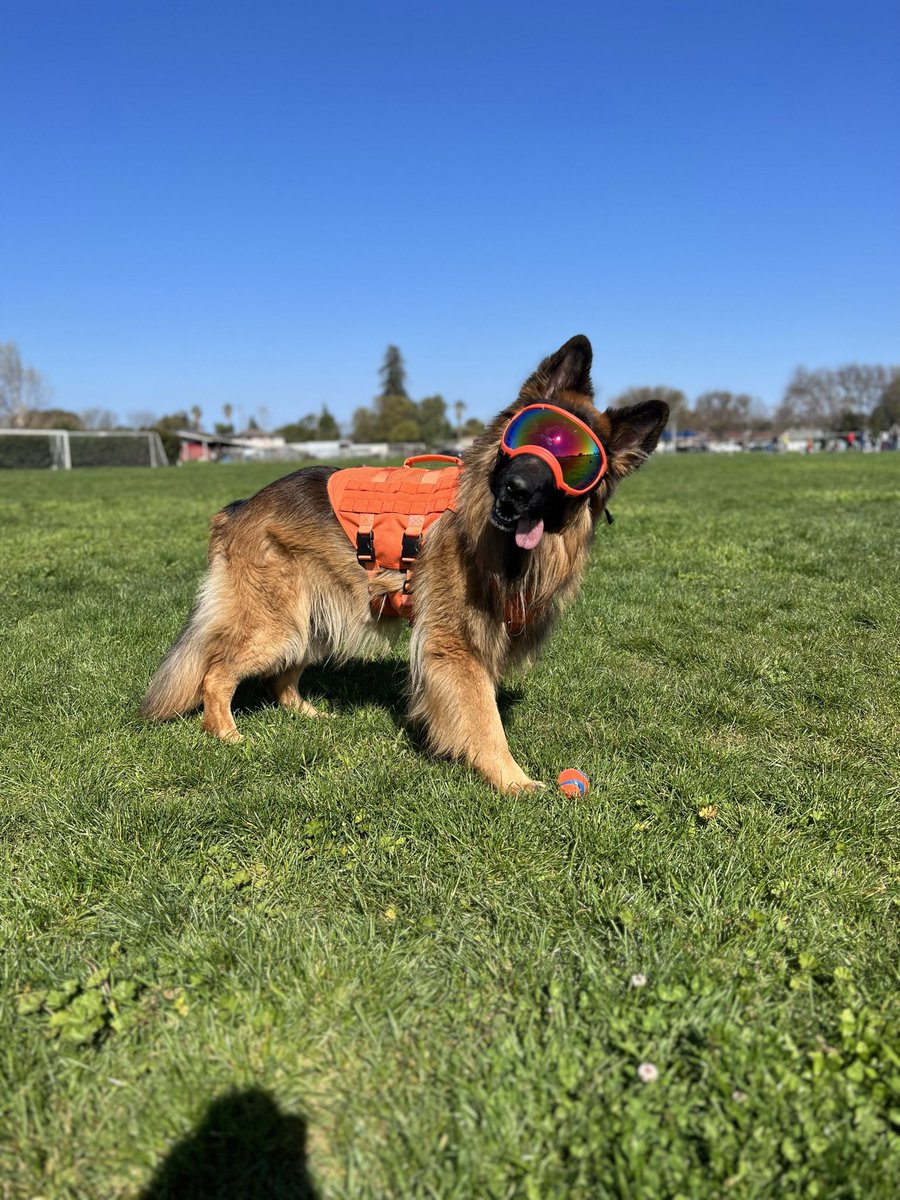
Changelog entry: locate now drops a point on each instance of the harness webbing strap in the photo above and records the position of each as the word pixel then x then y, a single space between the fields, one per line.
pixel 365 539
pixel 411 543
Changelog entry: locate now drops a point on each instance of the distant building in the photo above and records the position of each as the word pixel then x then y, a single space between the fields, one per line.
pixel 258 444
pixel 254 444
pixel 217 447
pixel 330 451
pixel 806 439
pixel 202 447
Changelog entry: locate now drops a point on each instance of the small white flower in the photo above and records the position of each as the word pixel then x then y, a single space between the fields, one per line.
pixel 648 1073
pixel 638 980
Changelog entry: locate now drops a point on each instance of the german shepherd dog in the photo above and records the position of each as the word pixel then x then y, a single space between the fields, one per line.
pixel 284 588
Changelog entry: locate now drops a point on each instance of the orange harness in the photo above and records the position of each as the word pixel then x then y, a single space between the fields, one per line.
pixel 386 513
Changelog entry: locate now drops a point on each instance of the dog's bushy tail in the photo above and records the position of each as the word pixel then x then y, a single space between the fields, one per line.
pixel 176 687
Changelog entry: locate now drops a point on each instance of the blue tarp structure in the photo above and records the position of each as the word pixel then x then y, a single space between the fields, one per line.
pixel 682 433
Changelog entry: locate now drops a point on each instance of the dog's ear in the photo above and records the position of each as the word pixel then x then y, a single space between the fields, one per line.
pixel 634 433
pixel 568 370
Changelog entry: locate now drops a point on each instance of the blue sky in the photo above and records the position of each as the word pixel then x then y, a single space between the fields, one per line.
pixel 245 203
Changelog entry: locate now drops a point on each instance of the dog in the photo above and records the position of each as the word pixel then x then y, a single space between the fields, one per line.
pixel 285 589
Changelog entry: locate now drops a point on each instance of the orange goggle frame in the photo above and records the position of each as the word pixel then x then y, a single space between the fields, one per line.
pixel 570 449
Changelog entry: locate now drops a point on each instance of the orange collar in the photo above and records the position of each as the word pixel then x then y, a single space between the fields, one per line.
pixel 519 613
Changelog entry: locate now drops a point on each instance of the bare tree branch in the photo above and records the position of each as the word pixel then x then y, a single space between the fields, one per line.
pixel 22 388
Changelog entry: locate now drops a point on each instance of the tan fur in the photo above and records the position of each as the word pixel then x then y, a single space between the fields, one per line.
pixel 284 590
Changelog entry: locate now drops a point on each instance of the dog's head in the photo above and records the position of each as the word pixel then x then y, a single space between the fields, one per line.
pixel 530 496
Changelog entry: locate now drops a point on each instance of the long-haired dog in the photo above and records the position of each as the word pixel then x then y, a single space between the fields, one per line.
pixel 285 588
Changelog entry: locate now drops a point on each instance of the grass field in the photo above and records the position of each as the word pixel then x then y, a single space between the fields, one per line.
pixel 321 964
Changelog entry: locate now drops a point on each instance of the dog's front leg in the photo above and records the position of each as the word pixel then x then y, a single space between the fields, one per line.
pixel 455 697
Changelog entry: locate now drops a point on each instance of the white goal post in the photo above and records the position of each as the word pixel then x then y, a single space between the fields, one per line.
pixel 63 449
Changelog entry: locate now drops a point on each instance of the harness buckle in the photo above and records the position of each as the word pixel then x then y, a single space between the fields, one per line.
pixel 409 549
pixel 365 539
pixel 412 539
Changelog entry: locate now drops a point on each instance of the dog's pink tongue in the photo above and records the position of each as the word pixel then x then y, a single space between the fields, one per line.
pixel 529 532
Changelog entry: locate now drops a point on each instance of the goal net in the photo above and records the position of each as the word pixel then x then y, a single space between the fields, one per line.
pixel 62 449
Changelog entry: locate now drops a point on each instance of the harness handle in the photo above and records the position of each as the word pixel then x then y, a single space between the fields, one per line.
pixel 421 458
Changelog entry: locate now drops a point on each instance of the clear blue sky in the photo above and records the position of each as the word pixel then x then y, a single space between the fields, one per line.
pixel 246 202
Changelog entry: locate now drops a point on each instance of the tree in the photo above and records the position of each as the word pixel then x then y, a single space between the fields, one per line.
pixel 850 419
pixel 394 413
pixel 327 429
pixel 225 428
pixel 311 428
pixel 722 412
pixel 98 418
pixel 886 413
pixel 434 428
pixel 22 389
pixel 196 415
pixel 141 418
pixel 473 427
pixel 405 430
pixel 393 373
pixel 167 428
pixel 394 417
pixel 52 418
pixel 459 407
pixel 303 430
pixel 399 419
pixel 787 415
pixel 365 426
pixel 674 397
pixel 827 397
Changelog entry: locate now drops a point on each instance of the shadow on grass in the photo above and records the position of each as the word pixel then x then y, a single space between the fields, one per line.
pixel 358 682
pixel 345 688
pixel 245 1148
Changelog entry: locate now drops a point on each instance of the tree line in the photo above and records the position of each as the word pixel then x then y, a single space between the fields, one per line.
pixel 394 417
pixel 851 397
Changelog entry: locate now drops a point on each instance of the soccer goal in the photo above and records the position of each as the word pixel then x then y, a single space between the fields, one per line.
pixel 63 449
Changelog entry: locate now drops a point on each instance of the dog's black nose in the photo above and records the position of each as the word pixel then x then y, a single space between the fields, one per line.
pixel 515 487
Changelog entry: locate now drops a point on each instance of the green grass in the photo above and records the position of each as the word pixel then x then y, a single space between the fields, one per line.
pixel 322 964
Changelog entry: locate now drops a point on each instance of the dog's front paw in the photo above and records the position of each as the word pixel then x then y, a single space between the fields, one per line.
pixel 532 785
pixel 503 773
pixel 515 787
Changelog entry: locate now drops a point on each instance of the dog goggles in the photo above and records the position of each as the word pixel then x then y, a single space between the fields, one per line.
pixel 570 449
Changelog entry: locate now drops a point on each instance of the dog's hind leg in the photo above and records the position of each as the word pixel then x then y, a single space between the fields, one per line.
pixel 263 655
pixel 283 688
pixel 219 684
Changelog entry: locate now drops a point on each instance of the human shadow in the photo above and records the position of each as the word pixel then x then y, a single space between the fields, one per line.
pixel 245 1148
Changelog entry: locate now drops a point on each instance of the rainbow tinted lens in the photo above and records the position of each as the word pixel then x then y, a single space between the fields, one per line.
pixel 572 444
